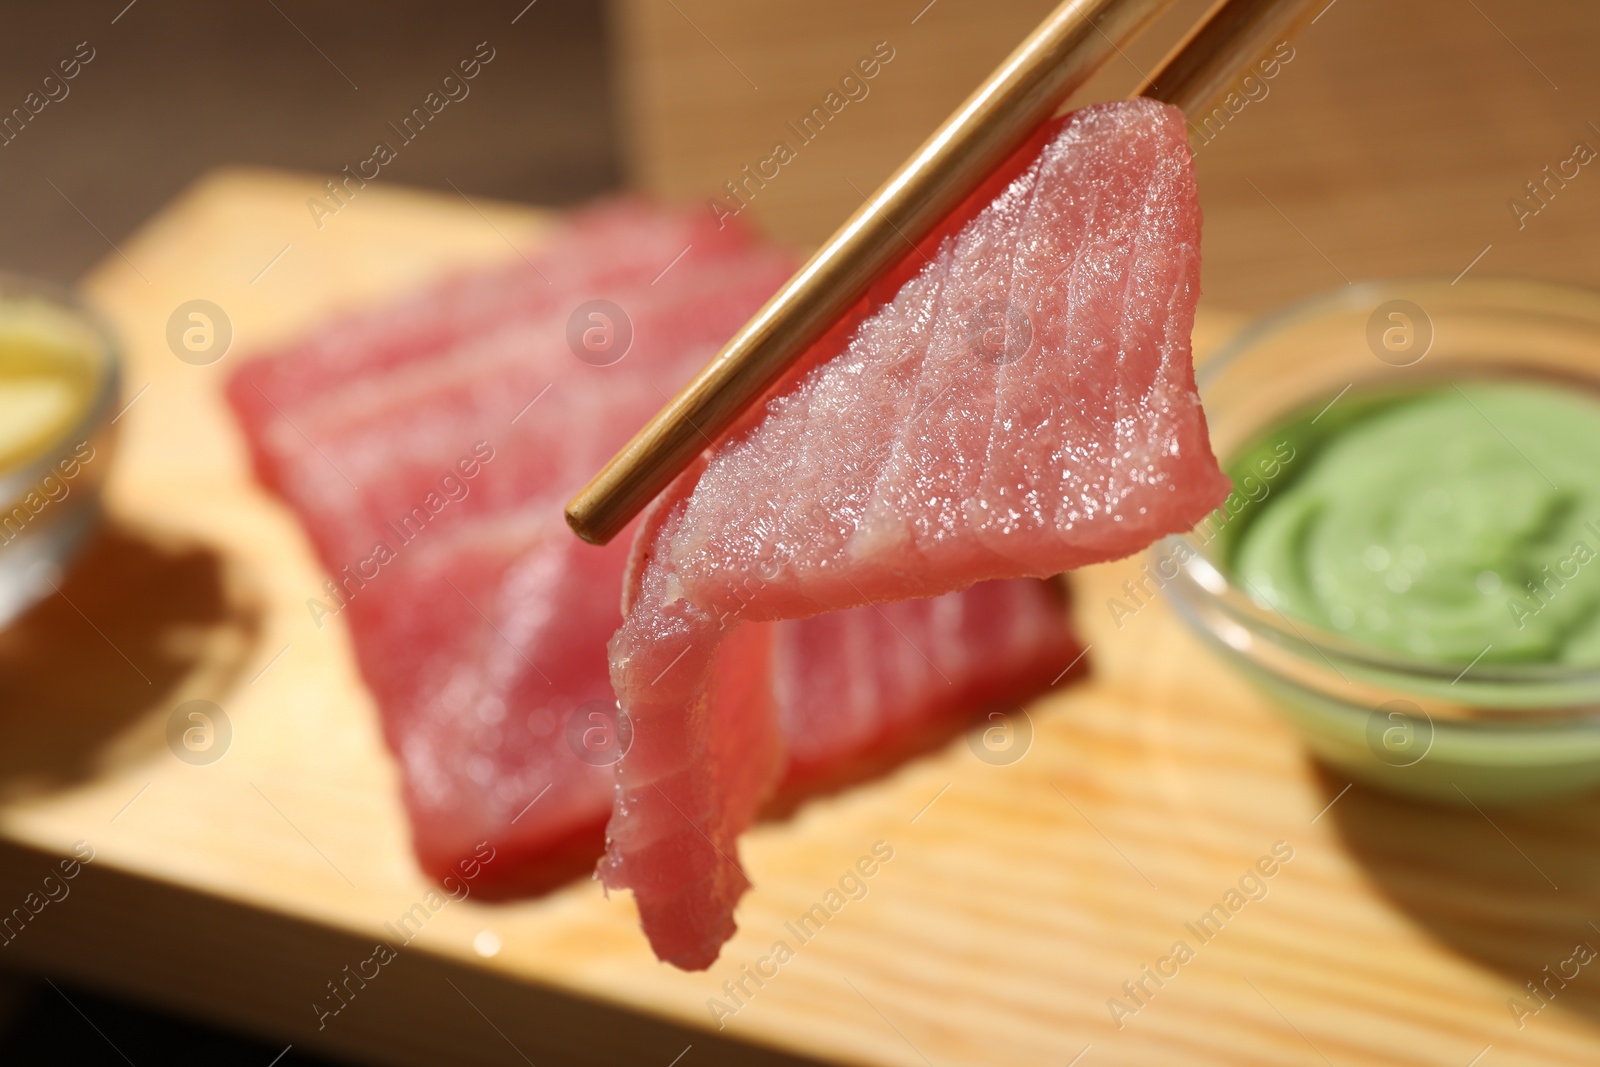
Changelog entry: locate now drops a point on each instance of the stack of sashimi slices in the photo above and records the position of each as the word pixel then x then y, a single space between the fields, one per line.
pixel 861 557
pixel 405 441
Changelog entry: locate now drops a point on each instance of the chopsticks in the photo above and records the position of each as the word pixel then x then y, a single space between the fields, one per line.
pixel 1201 68
pixel 1056 59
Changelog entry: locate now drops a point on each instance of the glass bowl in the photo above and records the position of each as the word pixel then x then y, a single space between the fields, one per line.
pixel 56 356
pixel 1478 733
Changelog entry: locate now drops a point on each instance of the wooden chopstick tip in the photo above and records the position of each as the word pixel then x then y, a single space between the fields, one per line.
pixel 580 526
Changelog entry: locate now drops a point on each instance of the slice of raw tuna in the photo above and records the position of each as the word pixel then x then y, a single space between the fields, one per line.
pixel 1024 404
pixel 481 628
pixel 432 490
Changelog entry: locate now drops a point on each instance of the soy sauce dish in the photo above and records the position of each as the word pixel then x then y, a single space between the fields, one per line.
pixel 1410 562
pixel 58 381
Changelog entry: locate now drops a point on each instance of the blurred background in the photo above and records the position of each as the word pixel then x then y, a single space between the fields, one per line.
pixel 1390 145
pixel 1393 143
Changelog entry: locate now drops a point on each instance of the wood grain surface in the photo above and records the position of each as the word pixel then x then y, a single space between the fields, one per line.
pixel 1019 899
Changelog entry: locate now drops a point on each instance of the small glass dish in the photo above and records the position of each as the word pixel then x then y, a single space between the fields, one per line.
pixel 59 377
pixel 1499 734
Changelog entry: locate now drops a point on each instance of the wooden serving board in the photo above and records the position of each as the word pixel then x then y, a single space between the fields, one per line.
pixel 1019 898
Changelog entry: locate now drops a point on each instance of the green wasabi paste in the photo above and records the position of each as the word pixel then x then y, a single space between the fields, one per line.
pixel 1456 523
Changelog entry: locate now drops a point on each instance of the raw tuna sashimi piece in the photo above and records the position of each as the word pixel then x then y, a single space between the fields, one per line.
pixel 1024 404
pixel 432 490
pixel 481 628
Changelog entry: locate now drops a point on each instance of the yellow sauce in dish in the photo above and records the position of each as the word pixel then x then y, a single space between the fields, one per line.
pixel 47 382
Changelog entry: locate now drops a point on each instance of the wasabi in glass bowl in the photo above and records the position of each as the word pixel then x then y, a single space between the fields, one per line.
pixel 1409 565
